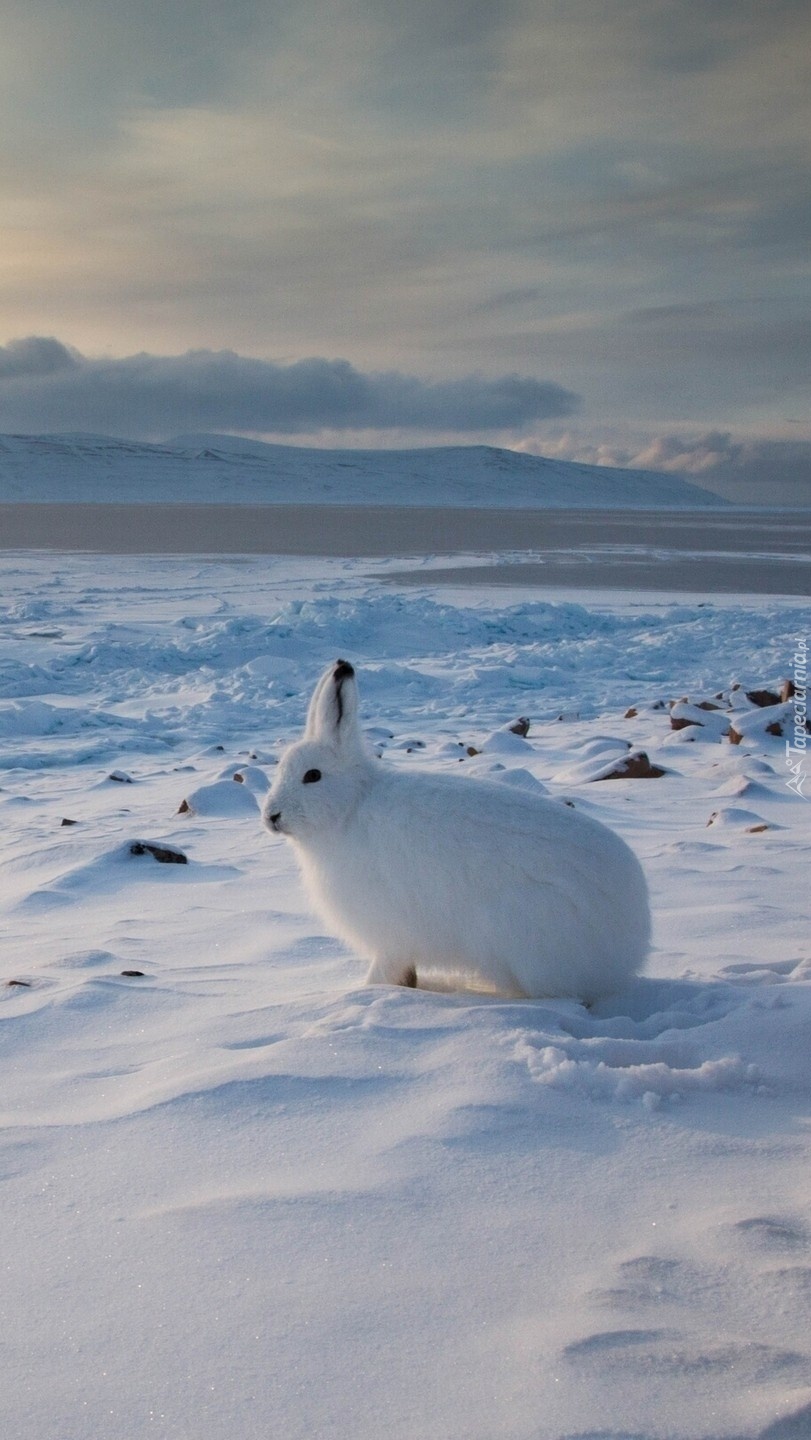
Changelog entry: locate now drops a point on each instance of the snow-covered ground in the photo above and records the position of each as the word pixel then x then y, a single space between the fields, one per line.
pixel 245 1196
pixel 228 469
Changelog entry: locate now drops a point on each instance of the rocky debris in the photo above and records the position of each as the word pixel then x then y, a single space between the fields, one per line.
pixel 377 735
pixel 736 735
pixel 507 740
pixel 223 798
pixel 65 821
pixel 636 766
pixel 165 854
pixel 641 708
pixel 520 726
pixel 764 720
pixel 23 984
pixel 133 974
pixel 592 758
pixel 767 695
pixel 607 758
pixel 251 775
pixel 734 714
pixel 746 822
pixel 763 697
pixel 704 714
pixel 121 777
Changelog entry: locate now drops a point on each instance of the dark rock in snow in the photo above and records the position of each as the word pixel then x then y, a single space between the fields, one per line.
pixel 165 854
pixel 634 767
pixel 683 714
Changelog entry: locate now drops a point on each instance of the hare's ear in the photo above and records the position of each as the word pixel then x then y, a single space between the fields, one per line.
pixel 312 726
pixel 333 712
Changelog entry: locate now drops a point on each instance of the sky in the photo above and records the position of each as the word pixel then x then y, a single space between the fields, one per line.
pixel 577 227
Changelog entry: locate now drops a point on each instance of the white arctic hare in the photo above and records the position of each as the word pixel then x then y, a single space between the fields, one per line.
pixel 446 872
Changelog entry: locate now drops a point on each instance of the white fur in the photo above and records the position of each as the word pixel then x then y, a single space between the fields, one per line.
pixel 443 872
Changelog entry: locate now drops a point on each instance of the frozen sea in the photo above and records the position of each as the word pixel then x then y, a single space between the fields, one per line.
pixel 718 551
pixel 247 1196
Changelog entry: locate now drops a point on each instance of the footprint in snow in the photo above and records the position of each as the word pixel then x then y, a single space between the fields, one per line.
pixel 669 1353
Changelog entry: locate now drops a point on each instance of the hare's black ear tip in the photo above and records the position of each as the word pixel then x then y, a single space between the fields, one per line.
pixel 343 670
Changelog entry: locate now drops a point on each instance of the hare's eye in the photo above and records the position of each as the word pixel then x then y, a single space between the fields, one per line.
pixel 311 776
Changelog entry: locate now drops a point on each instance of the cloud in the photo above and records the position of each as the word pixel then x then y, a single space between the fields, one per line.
pixel 33 356
pixel 760 471
pixel 752 471
pixel 422 186
pixel 45 386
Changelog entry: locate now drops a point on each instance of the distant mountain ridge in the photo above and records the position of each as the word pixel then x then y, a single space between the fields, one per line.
pixel 231 470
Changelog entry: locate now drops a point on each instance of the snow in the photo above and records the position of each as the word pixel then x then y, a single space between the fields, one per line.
pixel 246 1195
pixel 228 469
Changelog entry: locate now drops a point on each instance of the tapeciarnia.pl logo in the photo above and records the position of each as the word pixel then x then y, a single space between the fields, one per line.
pixel 796 747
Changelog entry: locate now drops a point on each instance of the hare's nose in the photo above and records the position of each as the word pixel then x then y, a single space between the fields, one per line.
pixel 274 818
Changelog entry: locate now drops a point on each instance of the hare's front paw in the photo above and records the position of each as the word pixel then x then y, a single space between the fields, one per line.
pixel 392 972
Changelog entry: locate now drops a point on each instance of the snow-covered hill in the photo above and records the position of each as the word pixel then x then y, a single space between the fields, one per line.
pixel 227 469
